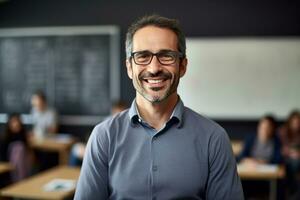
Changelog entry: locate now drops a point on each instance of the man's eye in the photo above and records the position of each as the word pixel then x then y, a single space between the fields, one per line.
pixel 142 56
pixel 166 57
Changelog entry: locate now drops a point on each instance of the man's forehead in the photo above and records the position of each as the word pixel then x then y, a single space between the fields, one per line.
pixel 152 37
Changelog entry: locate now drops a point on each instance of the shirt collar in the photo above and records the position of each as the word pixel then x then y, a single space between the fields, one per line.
pixel 133 114
pixel 177 113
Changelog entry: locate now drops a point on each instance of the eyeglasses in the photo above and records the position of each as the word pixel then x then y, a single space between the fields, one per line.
pixel 165 57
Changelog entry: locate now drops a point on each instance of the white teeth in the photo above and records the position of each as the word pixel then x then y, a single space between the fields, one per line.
pixel 155 81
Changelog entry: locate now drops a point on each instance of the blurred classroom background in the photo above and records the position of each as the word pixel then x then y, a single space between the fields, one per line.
pixel 244 64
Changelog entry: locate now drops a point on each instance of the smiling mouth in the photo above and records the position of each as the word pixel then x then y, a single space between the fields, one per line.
pixel 155 84
pixel 154 81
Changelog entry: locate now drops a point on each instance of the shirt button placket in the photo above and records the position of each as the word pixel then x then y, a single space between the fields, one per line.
pixel 154 168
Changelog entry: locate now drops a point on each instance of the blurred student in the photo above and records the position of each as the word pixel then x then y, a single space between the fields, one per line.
pixel 44 121
pixel 14 148
pixel 44 118
pixel 78 149
pixel 263 147
pixel 290 137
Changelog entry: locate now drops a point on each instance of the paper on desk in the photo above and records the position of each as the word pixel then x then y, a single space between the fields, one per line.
pixel 56 185
pixel 62 138
pixel 269 168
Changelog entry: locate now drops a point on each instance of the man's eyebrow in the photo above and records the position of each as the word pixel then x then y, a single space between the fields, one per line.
pixel 142 51
pixel 159 51
pixel 165 50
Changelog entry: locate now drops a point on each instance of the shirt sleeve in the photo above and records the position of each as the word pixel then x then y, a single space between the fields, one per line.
pixel 223 180
pixel 93 179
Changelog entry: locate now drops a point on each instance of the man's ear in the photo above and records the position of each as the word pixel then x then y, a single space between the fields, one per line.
pixel 129 68
pixel 182 66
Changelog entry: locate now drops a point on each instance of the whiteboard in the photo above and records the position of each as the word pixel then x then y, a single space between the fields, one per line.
pixel 236 78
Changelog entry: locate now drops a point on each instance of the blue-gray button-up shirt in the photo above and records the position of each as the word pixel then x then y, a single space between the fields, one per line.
pixel 189 158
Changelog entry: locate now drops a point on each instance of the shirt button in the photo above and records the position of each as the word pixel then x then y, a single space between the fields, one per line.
pixel 154 168
pixel 140 120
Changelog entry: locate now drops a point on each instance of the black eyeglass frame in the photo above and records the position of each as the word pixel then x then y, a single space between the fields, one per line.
pixel 175 54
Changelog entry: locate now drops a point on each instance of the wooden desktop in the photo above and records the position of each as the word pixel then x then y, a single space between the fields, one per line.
pixel 32 187
pixel 5 167
pixel 61 145
pixel 267 172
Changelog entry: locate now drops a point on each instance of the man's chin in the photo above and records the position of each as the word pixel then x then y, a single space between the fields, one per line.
pixel 155 99
pixel 153 96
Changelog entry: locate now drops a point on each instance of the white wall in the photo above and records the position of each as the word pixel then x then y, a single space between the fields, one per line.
pixel 234 78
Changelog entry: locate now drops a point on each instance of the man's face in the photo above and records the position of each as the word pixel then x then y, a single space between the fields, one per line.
pixel 155 82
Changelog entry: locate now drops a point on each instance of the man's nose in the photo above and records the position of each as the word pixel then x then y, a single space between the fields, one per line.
pixel 154 66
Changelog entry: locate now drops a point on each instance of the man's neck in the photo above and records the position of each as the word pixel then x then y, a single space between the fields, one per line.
pixel 156 114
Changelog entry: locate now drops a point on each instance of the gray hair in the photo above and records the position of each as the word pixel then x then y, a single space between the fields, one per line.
pixel 158 21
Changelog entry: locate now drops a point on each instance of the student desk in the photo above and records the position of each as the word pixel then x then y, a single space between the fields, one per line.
pixel 32 187
pixel 5 167
pixel 263 172
pixel 61 145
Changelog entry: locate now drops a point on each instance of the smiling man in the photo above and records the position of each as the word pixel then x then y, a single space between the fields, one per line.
pixel 158 149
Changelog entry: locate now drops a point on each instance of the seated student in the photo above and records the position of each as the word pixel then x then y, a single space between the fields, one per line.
pixel 290 137
pixel 44 118
pixel 14 148
pixel 44 121
pixel 263 147
pixel 78 149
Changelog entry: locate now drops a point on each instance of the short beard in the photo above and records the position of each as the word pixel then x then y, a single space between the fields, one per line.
pixel 156 99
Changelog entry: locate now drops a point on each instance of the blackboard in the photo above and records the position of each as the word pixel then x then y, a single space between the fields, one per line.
pixel 76 67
